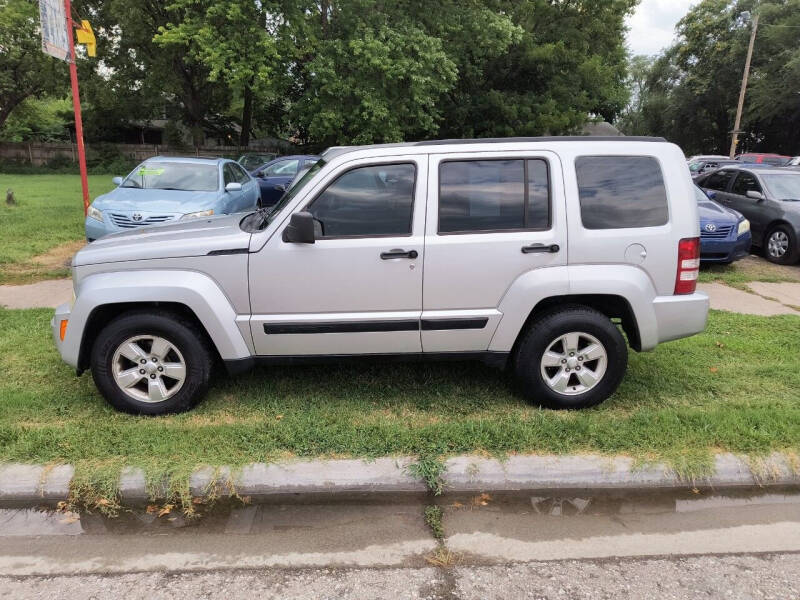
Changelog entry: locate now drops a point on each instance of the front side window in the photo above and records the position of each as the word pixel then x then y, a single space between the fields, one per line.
pixel 163 175
pixel 744 183
pixel 618 192
pixel 493 195
pixel 367 201
pixel 719 180
pixel 228 174
pixel 241 175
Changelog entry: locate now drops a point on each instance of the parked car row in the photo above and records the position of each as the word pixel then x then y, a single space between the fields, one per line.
pixel 769 198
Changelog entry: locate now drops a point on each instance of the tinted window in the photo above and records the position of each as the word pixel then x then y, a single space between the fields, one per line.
pixel 621 191
pixel 744 183
pixel 228 174
pixel 376 200
pixel 719 180
pixel 491 195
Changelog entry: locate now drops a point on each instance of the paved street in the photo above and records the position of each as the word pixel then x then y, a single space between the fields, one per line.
pixel 574 545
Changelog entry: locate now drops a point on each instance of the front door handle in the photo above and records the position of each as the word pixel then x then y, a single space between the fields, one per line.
pixel 552 248
pixel 399 253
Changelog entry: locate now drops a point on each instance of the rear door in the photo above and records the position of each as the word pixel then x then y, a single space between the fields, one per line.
pixel 498 215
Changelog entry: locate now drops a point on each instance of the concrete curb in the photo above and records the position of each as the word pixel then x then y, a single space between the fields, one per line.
pixel 22 484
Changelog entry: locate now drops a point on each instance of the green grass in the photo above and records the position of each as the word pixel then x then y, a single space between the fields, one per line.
pixel 734 388
pixel 49 215
pixel 752 268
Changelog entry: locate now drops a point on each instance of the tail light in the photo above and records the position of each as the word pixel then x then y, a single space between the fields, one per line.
pixel 688 265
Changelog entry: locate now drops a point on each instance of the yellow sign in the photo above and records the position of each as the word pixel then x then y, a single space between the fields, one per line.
pixel 85 35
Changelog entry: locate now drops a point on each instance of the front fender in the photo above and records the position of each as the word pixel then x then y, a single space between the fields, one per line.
pixel 198 292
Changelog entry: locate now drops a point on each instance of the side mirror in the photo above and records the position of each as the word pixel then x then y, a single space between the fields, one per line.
pixel 233 186
pixel 300 229
pixel 117 181
pixel 280 188
pixel 711 194
pixel 754 195
pixel 260 174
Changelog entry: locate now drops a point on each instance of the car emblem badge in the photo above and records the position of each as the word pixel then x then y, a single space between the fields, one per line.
pixel 710 227
pixel 138 217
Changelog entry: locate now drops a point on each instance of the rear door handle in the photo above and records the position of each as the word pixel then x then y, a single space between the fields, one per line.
pixel 399 253
pixel 532 248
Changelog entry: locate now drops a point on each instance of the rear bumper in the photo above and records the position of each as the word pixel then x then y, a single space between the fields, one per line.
pixel 680 316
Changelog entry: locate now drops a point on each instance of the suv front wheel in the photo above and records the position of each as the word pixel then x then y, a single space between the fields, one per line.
pixel 151 363
pixel 571 357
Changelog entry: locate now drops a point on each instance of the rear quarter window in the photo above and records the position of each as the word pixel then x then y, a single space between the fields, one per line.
pixel 618 192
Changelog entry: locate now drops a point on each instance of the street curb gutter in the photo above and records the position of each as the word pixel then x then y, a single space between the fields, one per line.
pixel 22 484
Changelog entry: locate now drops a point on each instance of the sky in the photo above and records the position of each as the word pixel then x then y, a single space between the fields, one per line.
pixel 652 26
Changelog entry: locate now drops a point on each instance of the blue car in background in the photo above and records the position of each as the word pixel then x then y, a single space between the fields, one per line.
pixel 724 233
pixel 165 189
pixel 276 175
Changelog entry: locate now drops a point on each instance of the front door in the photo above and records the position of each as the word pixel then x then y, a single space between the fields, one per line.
pixel 358 288
pixel 757 211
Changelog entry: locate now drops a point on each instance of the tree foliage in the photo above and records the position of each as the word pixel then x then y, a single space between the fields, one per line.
pixel 691 91
pixel 25 71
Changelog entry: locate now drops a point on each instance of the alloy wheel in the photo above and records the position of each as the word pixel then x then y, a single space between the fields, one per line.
pixel 778 244
pixel 574 363
pixel 148 368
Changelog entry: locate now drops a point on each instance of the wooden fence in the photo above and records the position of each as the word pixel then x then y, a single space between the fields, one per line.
pixel 39 154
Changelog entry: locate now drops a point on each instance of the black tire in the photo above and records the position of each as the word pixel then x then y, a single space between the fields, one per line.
pixel 540 335
pixel 791 255
pixel 181 334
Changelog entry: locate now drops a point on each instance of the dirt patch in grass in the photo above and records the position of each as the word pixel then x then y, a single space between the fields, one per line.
pixel 52 264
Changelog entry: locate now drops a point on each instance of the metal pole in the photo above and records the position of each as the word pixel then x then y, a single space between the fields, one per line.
pixel 745 75
pixel 76 103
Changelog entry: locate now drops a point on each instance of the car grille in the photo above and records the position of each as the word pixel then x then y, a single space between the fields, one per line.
pixel 127 222
pixel 719 233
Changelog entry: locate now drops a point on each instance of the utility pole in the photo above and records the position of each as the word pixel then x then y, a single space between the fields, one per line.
pixel 76 103
pixel 745 75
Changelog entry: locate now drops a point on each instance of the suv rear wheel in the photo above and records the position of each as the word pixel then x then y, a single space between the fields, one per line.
pixel 151 363
pixel 570 357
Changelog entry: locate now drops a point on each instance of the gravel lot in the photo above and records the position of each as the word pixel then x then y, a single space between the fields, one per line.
pixel 729 577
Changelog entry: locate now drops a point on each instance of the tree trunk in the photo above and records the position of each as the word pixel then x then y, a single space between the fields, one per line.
pixel 8 107
pixel 247 116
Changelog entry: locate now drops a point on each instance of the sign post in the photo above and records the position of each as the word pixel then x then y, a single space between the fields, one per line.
pixel 58 41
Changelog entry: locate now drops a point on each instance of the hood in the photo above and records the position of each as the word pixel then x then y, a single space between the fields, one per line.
pixel 711 212
pixel 195 237
pixel 168 201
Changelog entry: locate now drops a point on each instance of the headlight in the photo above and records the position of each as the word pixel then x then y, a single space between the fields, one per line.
pixel 744 226
pixel 94 214
pixel 197 215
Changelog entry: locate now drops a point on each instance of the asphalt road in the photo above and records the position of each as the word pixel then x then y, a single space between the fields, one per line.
pixel 666 545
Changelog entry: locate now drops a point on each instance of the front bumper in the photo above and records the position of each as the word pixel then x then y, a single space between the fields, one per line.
pixel 65 347
pixel 725 251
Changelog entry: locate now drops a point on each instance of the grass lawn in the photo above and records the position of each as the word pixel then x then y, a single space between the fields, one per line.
pixel 46 228
pixel 751 268
pixel 734 388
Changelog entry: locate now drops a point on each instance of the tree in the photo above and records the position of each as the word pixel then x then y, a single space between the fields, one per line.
pixel 692 89
pixel 231 39
pixel 149 79
pixel 25 71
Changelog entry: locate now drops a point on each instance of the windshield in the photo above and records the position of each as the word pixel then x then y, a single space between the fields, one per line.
pixel 783 186
pixel 186 176
pixel 295 189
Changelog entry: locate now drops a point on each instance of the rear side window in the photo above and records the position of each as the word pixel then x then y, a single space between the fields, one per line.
pixel 719 180
pixel 494 195
pixel 367 201
pixel 618 192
